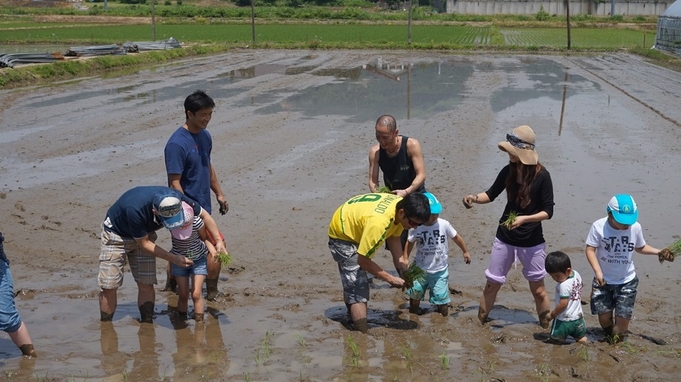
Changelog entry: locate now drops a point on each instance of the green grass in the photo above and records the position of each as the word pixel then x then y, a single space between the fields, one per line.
pixel 332 36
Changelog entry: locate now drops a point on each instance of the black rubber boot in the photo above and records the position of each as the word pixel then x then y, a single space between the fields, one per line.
pixel 171 285
pixel 212 289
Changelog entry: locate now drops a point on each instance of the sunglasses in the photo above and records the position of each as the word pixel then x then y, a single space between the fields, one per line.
pixel 515 141
pixel 413 223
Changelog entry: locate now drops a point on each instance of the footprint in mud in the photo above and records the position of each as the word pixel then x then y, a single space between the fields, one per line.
pixel 19 206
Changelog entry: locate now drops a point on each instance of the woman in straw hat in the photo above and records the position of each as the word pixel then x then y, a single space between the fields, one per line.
pixel 529 193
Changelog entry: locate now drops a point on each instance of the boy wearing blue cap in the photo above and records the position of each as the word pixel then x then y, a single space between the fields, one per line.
pixel 610 247
pixel 432 250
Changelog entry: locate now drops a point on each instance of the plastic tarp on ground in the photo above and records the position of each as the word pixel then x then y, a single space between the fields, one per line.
pixel 11 59
pixel 669 29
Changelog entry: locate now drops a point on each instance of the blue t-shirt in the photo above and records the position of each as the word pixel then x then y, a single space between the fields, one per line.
pixel 188 155
pixel 132 215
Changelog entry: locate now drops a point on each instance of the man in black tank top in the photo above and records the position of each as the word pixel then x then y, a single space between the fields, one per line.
pixel 399 158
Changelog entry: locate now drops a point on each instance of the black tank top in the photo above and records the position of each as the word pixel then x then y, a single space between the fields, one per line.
pixel 398 171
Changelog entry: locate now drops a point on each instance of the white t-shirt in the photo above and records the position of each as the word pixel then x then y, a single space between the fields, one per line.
pixel 615 250
pixel 571 289
pixel 432 245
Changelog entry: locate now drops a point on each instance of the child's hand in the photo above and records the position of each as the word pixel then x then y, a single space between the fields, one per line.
pixel 598 277
pixel 467 257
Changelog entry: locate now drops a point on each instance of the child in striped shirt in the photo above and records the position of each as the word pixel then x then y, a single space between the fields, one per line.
pixel 190 241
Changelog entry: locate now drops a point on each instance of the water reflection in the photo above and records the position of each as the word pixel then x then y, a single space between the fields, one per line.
pixel 535 78
pixel 406 90
pixel 200 350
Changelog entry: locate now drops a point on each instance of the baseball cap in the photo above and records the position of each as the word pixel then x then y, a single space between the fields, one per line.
pixel 520 142
pixel 435 206
pixel 185 231
pixel 623 209
pixel 168 208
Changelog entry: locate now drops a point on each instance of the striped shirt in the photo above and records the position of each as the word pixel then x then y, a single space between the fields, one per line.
pixel 192 248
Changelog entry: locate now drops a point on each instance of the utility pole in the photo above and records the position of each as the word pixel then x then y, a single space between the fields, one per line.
pixel 567 14
pixel 409 26
pixel 253 19
pixel 612 8
pixel 153 21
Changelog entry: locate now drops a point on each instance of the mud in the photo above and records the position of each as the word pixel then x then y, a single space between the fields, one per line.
pixel 291 134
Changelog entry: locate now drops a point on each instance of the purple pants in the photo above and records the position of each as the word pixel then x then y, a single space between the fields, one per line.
pixel 503 255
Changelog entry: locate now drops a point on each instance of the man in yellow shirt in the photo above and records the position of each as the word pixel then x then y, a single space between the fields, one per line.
pixel 356 232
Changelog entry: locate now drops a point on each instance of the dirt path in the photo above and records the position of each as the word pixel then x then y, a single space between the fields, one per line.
pixel 292 130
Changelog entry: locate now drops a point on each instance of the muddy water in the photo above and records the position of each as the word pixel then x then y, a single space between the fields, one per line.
pixel 291 131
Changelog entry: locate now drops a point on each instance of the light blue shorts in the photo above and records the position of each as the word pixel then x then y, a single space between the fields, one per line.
pixel 438 286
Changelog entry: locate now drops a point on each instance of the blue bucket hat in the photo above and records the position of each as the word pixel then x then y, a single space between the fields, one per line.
pixel 168 208
pixel 623 209
pixel 435 206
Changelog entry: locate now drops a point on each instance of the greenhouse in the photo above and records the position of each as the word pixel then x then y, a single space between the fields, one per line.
pixel 669 29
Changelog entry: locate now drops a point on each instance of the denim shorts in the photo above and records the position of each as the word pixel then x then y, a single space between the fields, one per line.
pixel 199 268
pixel 620 298
pixel 503 255
pixel 354 279
pixel 438 286
pixel 9 316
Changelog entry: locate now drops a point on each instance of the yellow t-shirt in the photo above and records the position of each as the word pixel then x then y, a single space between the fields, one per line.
pixel 366 220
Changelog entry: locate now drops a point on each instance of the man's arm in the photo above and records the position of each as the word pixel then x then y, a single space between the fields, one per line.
pixel 416 155
pixel 368 265
pixel 174 182
pixel 212 228
pixel 400 262
pixel 373 168
pixel 215 186
pixel 150 247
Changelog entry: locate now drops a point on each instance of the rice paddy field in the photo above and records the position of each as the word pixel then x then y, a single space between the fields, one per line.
pixel 443 36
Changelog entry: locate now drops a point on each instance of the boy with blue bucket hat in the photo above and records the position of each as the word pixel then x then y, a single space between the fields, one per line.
pixel 610 248
pixel 432 250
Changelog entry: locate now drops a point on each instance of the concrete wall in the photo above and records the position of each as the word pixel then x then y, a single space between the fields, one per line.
pixel 531 7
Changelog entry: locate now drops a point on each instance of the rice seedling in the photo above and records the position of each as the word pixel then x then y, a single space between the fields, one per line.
pixel 444 361
pixel 383 190
pixel 264 351
pixel 512 215
pixel 671 252
pixel 543 370
pixel 583 353
pixel 224 258
pixel 301 340
pixel 412 274
pixel 354 349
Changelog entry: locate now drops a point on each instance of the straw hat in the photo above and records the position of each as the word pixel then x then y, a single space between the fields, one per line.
pixel 520 142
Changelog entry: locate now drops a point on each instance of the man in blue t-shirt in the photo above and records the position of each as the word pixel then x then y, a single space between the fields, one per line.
pixel 129 235
pixel 187 157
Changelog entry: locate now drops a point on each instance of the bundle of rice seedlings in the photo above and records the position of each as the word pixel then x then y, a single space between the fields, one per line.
pixel 670 252
pixel 383 190
pixel 512 215
pixel 413 273
pixel 224 258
